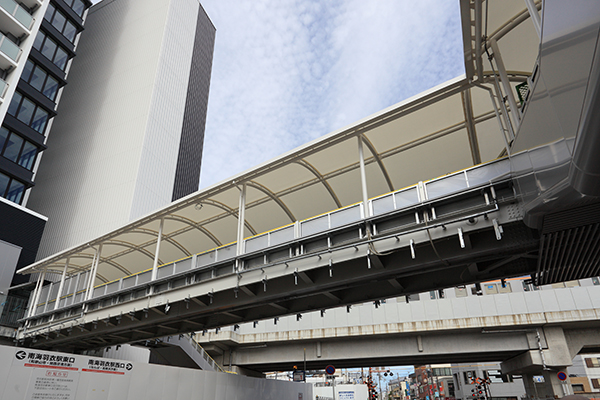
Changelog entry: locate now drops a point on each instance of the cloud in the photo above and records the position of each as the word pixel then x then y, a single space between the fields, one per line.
pixel 286 72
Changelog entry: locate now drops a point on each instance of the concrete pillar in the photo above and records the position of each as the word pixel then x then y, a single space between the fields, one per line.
pixel 540 367
pixel 550 388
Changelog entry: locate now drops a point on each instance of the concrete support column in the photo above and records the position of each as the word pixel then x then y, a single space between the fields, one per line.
pixel 540 367
pixel 550 388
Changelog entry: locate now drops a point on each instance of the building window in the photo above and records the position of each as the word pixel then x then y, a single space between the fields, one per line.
pixel 61 23
pixel 77 5
pixel 596 383
pixel 596 280
pixel 16 149
pixel 39 79
pixel 28 112
pixel 51 50
pixel 470 377
pixel 11 189
pixel 592 362
pixel 577 387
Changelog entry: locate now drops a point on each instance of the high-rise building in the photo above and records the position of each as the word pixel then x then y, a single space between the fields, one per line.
pixel 38 39
pixel 129 135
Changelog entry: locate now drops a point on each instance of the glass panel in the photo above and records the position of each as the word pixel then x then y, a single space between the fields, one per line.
pixel 49 12
pixel 39 39
pixel 49 48
pixel 14 104
pixel 70 31
pixel 446 185
pixel 59 21
pixel 383 204
pixel 26 111
pixel 27 155
pixel 78 7
pixel 3 184
pixel 51 88
pixel 9 48
pixel 23 17
pixel 3 136
pixel 15 191
pixel 37 78
pixel 27 71
pixel 345 216
pixel 61 58
pixel 13 147
pixel 39 120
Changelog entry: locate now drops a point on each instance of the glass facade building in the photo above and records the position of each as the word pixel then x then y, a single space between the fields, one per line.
pixel 38 39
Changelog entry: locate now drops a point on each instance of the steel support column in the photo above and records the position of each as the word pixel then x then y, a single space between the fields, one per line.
pixel 363 177
pixel 156 254
pixel 37 292
pixel 90 289
pixel 239 250
pixel 62 284
pixel 514 109
pixel 535 17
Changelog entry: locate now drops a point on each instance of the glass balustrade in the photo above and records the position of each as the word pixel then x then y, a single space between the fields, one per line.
pixel 20 14
pixel 9 48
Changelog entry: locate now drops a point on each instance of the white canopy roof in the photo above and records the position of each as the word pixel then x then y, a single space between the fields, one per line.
pixel 450 127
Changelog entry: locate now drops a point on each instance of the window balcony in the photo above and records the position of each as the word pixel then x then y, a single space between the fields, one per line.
pixel 9 53
pixel 15 18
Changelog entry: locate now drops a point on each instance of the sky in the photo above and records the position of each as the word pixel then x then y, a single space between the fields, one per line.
pixel 286 72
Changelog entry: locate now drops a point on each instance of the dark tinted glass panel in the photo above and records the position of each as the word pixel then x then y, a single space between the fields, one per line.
pixel 39 121
pixel 78 7
pixel 39 39
pixel 61 58
pixel 51 88
pixel 14 104
pixel 37 78
pixel 48 48
pixel 26 111
pixel 70 31
pixel 27 155
pixel 15 191
pixel 4 180
pixel 49 12
pixel 27 71
pixel 59 21
pixel 13 147
pixel 3 137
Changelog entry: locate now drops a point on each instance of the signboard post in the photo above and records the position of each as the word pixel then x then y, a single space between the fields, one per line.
pixel 562 377
pixel 330 370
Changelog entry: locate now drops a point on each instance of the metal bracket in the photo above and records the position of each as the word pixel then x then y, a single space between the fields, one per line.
pixel 412 249
pixel 461 238
pixel 498 229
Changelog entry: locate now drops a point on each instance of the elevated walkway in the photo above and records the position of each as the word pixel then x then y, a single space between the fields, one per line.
pixel 203 262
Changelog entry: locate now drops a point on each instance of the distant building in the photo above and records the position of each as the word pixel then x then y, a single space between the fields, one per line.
pixel 585 374
pixel 501 386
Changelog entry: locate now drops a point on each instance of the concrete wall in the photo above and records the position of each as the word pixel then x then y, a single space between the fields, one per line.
pixel 73 377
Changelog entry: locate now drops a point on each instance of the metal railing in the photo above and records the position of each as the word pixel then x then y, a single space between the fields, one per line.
pixel 406 198
pixel 19 13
